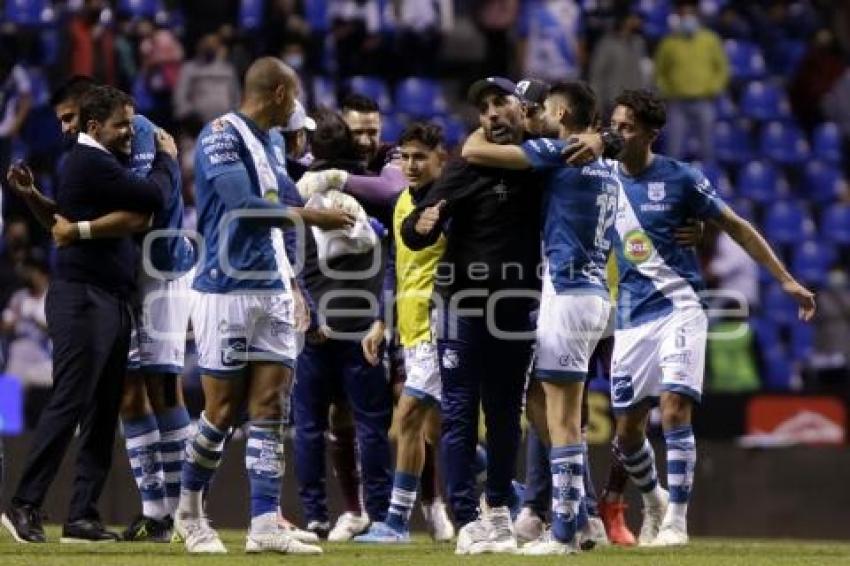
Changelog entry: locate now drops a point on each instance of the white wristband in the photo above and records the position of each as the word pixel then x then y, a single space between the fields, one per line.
pixel 84 229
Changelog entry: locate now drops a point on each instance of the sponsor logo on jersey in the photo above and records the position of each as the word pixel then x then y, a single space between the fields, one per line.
pixel 637 247
pixel 567 360
pixel 622 391
pixel 233 351
pixel 450 359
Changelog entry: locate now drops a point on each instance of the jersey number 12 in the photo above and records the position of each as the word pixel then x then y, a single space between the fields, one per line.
pixel 607 204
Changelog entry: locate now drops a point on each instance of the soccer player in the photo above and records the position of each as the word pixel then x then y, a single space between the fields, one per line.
pixel 660 338
pixel 579 206
pixel 243 316
pixel 417 412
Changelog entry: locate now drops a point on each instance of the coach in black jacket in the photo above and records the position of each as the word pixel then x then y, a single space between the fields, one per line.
pixel 88 313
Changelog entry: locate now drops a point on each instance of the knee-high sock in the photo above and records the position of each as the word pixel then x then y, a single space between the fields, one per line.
pixel 640 465
pixel 142 438
pixel 681 461
pixel 203 455
pixel 174 430
pixel 264 463
pixel 401 500
pixel 567 464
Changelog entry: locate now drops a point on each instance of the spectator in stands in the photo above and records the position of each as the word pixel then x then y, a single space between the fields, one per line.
pixel 14 249
pixel 25 324
pixel 830 360
pixel 92 44
pixel 818 72
pixel 619 60
pixel 495 19
pixel 730 24
pixel 160 58
pixel 551 45
pixel 420 25
pixel 691 71
pixel 356 28
pixel 284 24
pixel 733 272
pixel 208 86
pixel 15 104
pixel 836 108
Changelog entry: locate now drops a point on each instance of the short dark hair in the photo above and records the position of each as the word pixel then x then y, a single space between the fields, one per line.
pixel 100 102
pixel 429 135
pixel 359 103
pixel 585 111
pixel 332 139
pixel 648 108
pixel 72 90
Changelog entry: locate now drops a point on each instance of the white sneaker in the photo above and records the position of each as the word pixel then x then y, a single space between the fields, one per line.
pixel 439 525
pixel 491 533
pixel 593 534
pixel 672 533
pixel 653 516
pixel 293 531
pixel 278 540
pixel 472 534
pixel 348 526
pixel 528 525
pixel 198 535
pixel 547 545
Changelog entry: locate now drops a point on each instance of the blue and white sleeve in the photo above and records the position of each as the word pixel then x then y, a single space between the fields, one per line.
pixel 544 153
pixel 704 202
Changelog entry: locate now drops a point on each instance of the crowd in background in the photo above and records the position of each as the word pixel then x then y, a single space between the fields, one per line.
pixel 758 94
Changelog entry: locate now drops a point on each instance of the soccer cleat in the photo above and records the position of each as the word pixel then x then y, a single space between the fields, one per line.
pixel 278 540
pixel 198 535
pixel 653 515
pixel 439 525
pixel 146 529
pixel 592 534
pixel 528 525
pixel 547 545
pixel 319 528
pixel 24 523
pixel 613 515
pixel 672 533
pixel 348 526
pixel 302 535
pixel 87 531
pixel 381 533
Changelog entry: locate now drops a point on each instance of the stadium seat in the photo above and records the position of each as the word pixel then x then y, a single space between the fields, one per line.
pixel 732 143
pixel 786 222
pixel 784 143
pixel 391 128
pixel 420 98
pixel 785 56
pixel 778 369
pixel 760 182
pixel 764 101
pixel 139 8
pixel 725 108
pixel 802 340
pixel 373 87
pixel 835 224
pixel 826 143
pixel 777 306
pixel 251 14
pixel 454 129
pixel 745 59
pixel 24 12
pixel 812 260
pixel 655 15
pixel 324 92
pixel 823 182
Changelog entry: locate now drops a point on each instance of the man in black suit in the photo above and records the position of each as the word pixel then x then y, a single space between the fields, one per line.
pixel 88 312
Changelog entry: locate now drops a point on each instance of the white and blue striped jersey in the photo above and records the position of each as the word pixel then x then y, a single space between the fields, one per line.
pixel 579 205
pixel 239 253
pixel 656 274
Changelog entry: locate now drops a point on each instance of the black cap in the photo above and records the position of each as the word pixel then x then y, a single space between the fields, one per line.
pixel 500 84
pixel 532 91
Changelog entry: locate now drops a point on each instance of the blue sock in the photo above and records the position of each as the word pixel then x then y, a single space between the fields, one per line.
pixel 174 429
pixel 203 455
pixel 681 461
pixel 264 462
pixel 401 501
pixel 142 439
pixel 640 466
pixel 567 465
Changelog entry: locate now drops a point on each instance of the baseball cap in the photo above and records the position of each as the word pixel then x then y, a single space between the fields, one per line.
pixel 532 91
pixel 299 120
pixel 479 87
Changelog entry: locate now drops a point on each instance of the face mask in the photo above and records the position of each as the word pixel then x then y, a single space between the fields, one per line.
pixel 690 24
pixel 294 60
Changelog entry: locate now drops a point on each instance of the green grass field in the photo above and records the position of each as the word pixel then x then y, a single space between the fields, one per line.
pixel 423 552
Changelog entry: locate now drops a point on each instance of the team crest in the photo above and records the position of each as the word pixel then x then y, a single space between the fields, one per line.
pixel 522 87
pixel 217 125
pixel 656 192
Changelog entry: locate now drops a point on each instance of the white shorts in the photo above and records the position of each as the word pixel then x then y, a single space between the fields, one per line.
pixel 666 354
pixel 568 329
pixel 234 329
pixel 421 364
pixel 160 324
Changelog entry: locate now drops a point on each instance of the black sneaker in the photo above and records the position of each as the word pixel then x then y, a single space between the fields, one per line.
pixel 145 529
pixel 24 523
pixel 87 530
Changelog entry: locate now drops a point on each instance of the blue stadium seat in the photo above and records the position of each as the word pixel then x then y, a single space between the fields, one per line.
pixel 835 224
pixel 812 260
pixel 420 97
pixel 778 369
pixel 823 182
pixel 454 129
pixel 784 143
pixel 373 87
pixel 655 15
pixel 746 60
pixel 826 143
pixel 764 101
pixel 802 340
pixel 24 12
pixel 732 143
pixel 760 182
pixel 324 92
pixel 391 128
pixel 139 8
pixel 786 56
pixel 251 14
pixel 778 307
pixel 725 108
pixel 786 221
